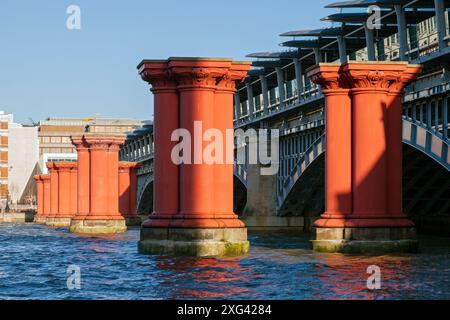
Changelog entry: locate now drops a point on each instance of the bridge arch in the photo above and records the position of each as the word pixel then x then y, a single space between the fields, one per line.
pixel 145 194
pixel 424 151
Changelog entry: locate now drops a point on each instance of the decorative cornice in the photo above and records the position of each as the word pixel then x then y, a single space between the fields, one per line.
pixel 104 142
pixel 399 83
pixel 65 166
pixel 50 166
pixel 198 73
pixel 329 77
pixel 126 164
pixel 79 142
pixel 45 178
pixel 198 77
pixel 156 73
pixel 363 79
pixel 380 76
pixel 233 77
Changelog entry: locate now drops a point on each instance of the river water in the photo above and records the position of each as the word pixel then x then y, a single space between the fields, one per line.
pixel 34 261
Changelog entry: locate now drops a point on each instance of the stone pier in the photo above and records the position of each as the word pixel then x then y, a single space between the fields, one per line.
pixel 98 191
pixel 364 158
pixel 67 189
pixel 128 193
pixel 39 217
pixel 193 201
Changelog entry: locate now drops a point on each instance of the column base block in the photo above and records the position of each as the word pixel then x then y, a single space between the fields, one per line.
pixel 133 221
pixel 58 221
pixel 194 242
pixel 90 226
pixel 40 219
pixel 365 240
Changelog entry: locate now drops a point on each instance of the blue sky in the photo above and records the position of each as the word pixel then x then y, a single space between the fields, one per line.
pixel 47 70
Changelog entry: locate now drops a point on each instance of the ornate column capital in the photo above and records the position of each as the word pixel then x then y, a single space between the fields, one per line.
pixel 79 142
pixel 399 83
pixel 373 76
pixel 198 73
pixel 38 178
pixel 51 166
pixel 156 73
pixel 233 77
pixel 104 143
pixel 65 166
pixel 45 178
pixel 329 77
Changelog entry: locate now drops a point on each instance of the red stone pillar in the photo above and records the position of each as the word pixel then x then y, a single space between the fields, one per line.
pixel 83 177
pixel 338 162
pixel 64 215
pixel 39 198
pixel 124 188
pixel 127 192
pixel 394 189
pixel 205 224
pixel 166 120
pixel 223 122
pixel 375 131
pixel 376 222
pixel 104 216
pixel 99 196
pixel 113 177
pixel 54 191
pixel 47 197
pixel 197 81
pixel 74 189
pixel 133 189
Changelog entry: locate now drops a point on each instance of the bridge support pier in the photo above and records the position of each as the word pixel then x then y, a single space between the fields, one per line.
pixel 40 199
pixel 54 192
pixel 65 195
pixel 128 193
pixel 46 199
pixel 101 165
pixel 369 218
pixel 204 223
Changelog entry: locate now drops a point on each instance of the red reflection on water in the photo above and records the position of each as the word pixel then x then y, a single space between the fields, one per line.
pixel 346 276
pixel 208 277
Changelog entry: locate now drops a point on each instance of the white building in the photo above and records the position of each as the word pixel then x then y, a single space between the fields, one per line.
pixel 23 163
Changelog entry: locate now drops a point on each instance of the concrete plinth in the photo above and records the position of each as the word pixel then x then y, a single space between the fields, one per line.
pixel 40 219
pixel 365 240
pixel 87 226
pixel 16 217
pixel 133 221
pixel 194 242
pixel 58 222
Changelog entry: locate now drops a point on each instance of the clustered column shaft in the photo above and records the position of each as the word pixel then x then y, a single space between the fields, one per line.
pixel 364 155
pixel 196 96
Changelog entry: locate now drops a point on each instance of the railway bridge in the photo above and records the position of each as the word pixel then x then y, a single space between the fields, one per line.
pixel 278 94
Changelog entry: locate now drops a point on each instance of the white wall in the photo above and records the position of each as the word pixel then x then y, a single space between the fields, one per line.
pixel 23 149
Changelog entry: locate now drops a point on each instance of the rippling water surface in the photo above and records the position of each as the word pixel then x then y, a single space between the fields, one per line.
pixel 34 261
